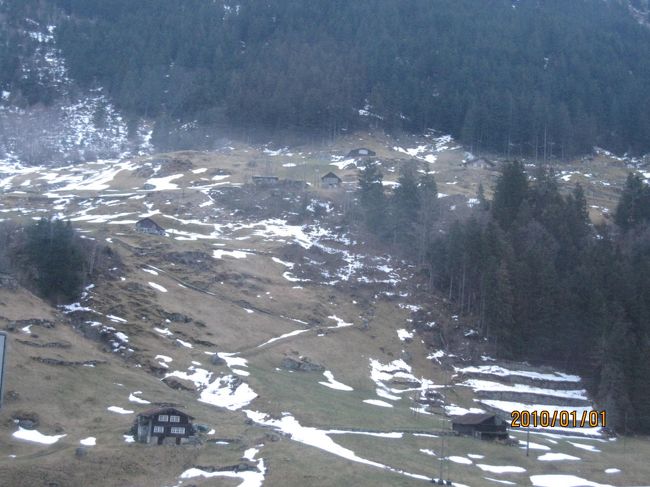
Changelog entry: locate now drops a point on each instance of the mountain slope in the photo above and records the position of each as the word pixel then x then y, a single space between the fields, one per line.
pixel 545 78
pixel 265 280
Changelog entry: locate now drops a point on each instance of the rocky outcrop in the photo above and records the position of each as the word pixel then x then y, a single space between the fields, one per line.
pixel 303 364
pixel 69 363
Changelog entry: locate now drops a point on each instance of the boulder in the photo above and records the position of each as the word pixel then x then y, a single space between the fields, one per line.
pixel 302 364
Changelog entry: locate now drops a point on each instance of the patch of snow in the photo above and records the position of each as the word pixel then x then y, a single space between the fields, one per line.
pixel 116 319
pixel 165 183
pixel 393 435
pixel 534 446
pixel 404 334
pixel 150 271
pixel 232 360
pixel 222 393
pixel 129 439
pixel 319 439
pixel 157 287
pixel 553 480
pixel 582 446
pixel 503 372
pixel 612 470
pixel 35 437
pixel 236 254
pixel 286 264
pixel 342 164
pixel 249 478
pixel 453 410
pixel 282 337
pixel 134 398
pixel 386 395
pixel 184 343
pixel 121 337
pixel 90 441
pixel 485 385
pixel 553 457
pixel 463 460
pixel 334 384
pixel 119 410
pixel 339 321
pixel 500 469
pixel 504 482
pixel 377 402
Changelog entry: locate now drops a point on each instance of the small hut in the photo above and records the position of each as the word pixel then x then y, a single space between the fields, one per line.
pixel 330 180
pixel 147 225
pixel 485 426
pixel 361 152
pixel 265 181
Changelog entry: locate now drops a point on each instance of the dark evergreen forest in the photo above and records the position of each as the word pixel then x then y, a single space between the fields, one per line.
pixel 543 284
pixel 548 78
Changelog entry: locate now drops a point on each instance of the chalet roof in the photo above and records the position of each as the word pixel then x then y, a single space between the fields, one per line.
pixel 473 418
pixel 148 221
pixel 164 410
pixel 331 175
pixel 361 151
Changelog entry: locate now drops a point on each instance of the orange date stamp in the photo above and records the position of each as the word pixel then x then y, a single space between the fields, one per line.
pixel 558 418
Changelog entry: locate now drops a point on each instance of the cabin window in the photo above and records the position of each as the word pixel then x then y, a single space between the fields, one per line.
pixel 174 419
pixel 158 429
pixel 178 430
pixel 163 418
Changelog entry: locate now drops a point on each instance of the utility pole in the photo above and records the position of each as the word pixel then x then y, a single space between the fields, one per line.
pixel 3 350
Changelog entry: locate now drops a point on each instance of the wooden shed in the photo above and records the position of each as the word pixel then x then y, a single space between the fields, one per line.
pixel 485 426
pixel 330 180
pixel 361 152
pixel 147 225
pixel 160 423
pixel 265 181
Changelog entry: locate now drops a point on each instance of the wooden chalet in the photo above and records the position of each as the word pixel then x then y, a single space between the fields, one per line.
pixel 265 181
pixel 485 426
pixel 147 225
pixel 330 180
pixel 480 162
pixel 160 423
pixel 361 152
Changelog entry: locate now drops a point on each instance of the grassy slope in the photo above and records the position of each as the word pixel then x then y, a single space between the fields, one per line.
pixel 73 400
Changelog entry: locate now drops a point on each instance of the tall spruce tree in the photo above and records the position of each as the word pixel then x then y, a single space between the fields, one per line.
pixel 372 197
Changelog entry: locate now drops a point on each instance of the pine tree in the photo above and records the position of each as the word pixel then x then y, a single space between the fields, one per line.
pixel 372 197
pixel 405 206
pixel 510 191
pixel 56 259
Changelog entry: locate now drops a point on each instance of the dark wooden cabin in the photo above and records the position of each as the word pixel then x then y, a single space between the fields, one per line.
pixel 361 152
pixel 265 181
pixel 160 423
pixel 485 426
pixel 330 180
pixel 147 225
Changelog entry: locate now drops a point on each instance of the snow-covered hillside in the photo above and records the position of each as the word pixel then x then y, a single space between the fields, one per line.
pixel 287 337
pixel 77 125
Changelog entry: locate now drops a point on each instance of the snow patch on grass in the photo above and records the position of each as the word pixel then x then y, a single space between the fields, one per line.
pixel 36 437
pixel 334 384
